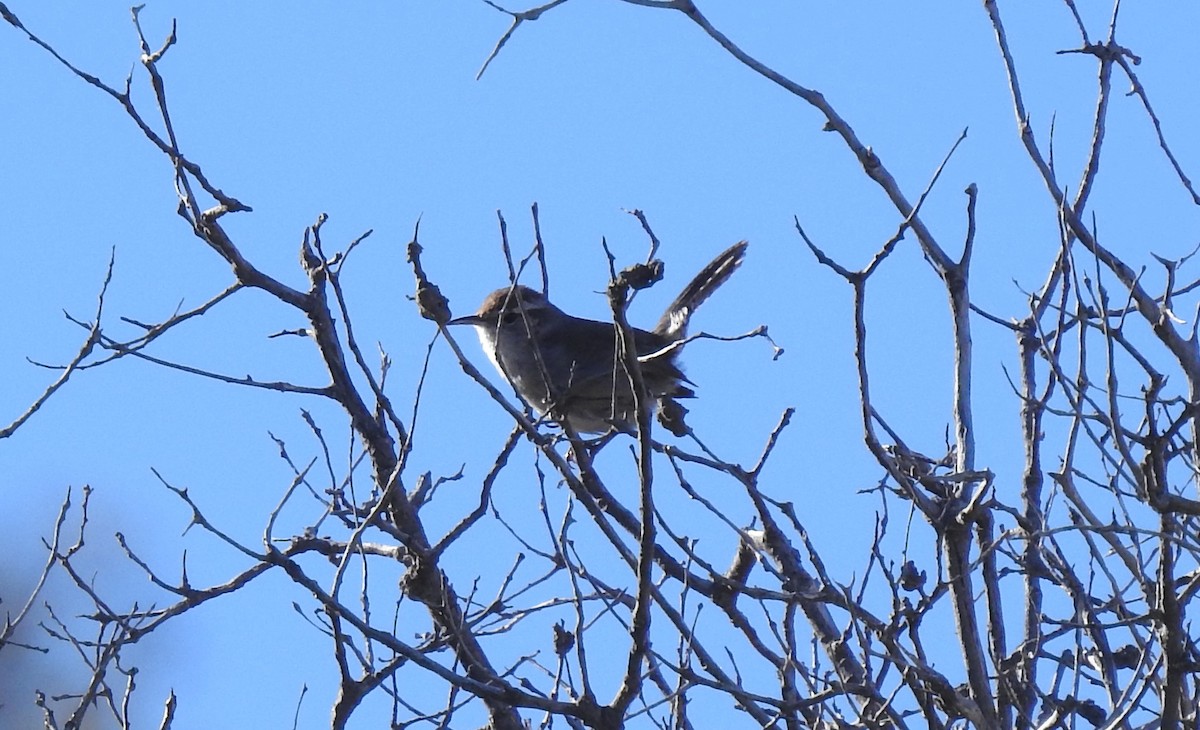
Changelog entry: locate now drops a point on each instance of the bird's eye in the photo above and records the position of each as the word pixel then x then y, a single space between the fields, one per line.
pixel 508 317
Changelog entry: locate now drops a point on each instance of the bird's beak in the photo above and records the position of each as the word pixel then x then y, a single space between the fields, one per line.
pixel 472 319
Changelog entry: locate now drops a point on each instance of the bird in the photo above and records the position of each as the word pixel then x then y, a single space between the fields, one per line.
pixel 566 367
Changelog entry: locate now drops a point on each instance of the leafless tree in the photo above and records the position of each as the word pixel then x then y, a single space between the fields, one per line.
pixel 1070 599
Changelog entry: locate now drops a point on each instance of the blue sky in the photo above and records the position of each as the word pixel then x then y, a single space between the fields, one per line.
pixel 372 114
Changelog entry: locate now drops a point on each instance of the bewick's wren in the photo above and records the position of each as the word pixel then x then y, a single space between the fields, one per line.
pixel 566 367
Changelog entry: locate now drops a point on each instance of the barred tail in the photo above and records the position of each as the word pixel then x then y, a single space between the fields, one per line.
pixel 674 322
